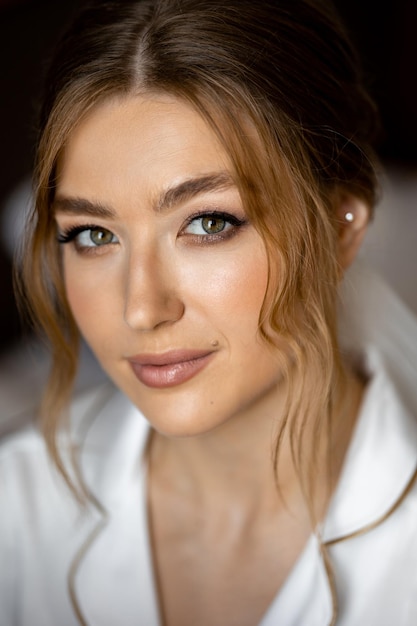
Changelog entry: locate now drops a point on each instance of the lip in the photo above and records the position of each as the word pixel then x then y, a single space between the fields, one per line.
pixel 170 368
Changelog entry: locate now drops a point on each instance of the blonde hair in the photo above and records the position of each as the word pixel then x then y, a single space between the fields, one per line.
pixel 279 83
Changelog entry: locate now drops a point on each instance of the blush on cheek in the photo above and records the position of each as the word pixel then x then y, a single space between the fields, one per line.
pixel 235 286
pixel 87 313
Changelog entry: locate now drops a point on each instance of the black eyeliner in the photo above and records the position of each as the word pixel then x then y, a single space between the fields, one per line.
pixel 227 217
pixel 71 233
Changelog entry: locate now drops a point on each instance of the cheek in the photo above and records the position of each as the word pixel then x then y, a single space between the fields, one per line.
pixel 90 297
pixel 231 286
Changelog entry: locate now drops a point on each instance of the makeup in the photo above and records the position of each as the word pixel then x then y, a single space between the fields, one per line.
pixel 171 368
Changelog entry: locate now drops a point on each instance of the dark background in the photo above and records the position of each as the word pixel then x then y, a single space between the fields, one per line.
pixel 385 34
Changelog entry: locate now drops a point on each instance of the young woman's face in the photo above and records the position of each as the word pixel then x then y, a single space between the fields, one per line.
pixel 164 273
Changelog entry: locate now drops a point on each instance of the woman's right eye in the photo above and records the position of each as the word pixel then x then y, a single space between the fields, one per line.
pixel 87 237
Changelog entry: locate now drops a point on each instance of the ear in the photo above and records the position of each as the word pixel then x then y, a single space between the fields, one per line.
pixel 352 215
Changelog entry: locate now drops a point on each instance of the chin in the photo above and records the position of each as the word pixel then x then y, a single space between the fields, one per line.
pixel 186 426
pixel 177 419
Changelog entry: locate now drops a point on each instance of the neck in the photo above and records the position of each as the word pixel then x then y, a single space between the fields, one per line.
pixel 235 458
pixel 234 462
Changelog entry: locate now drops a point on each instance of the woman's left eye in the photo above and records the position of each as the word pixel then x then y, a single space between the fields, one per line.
pixel 213 224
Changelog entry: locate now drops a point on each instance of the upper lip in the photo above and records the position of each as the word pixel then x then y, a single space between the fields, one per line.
pixel 168 358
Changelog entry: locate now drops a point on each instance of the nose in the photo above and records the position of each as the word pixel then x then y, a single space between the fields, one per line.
pixel 151 292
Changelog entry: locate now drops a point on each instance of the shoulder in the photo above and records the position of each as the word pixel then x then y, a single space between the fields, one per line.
pixel 20 437
pixel 42 526
pixel 104 447
pixel 35 501
pixel 27 472
pixel 378 331
pixel 375 571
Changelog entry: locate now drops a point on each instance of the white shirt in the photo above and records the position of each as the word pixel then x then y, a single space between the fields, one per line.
pixel 44 535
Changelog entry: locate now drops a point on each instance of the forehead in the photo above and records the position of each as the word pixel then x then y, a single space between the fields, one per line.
pixel 144 142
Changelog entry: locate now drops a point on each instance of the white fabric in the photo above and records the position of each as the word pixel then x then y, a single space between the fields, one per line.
pixel 43 534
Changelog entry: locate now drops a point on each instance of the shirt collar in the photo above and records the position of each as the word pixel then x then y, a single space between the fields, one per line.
pixel 380 334
pixel 380 462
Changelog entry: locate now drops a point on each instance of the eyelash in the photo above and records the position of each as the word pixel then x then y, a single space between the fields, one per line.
pixel 70 236
pixel 232 221
pixel 232 224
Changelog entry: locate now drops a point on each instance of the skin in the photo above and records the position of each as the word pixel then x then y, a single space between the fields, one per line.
pixel 157 290
pixel 162 283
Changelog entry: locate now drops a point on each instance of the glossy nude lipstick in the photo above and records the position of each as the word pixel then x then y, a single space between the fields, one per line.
pixel 170 368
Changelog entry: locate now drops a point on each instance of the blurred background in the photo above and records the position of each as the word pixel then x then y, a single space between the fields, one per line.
pixel 385 34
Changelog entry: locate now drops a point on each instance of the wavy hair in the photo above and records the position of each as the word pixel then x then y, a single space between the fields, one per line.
pixel 281 86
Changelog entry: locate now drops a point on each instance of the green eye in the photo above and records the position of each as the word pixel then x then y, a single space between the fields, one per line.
pixel 213 225
pixel 84 237
pixel 100 236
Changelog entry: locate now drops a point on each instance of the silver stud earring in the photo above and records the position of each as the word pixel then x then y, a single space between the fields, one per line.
pixel 349 217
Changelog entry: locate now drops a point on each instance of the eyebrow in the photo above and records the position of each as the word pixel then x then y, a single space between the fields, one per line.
pixel 81 206
pixel 188 189
pixel 168 199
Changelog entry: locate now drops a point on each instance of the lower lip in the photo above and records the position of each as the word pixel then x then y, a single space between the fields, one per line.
pixel 170 375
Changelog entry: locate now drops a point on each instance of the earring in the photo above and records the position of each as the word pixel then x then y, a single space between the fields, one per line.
pixel 349 217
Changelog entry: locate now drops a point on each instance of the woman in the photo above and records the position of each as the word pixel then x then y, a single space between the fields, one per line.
pixel 204 179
